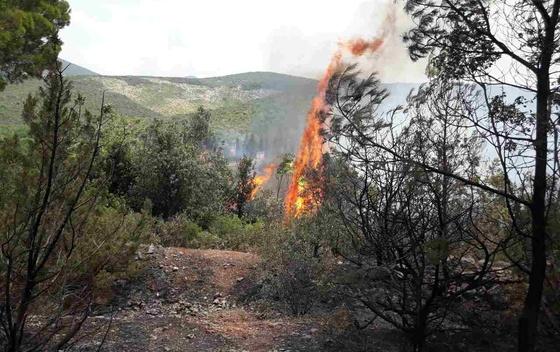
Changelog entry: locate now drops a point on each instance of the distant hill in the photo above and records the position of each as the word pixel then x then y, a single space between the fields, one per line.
pixel 77 70
pixel 270 106
pixel 260 103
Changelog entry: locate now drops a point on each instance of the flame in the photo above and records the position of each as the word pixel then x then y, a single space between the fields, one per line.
pixel 261 180
pixel 312 145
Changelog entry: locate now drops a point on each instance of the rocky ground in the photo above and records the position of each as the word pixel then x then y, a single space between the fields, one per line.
pixel 191 300
pixel 196 300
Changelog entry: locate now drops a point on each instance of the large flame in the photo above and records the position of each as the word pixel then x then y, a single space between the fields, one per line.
pixel 262 179
pixel 312 145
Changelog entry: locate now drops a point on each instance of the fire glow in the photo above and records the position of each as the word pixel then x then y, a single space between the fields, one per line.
pixel 299 200
pixel 262 179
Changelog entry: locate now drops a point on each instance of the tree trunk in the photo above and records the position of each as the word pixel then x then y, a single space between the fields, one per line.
pixel 528 321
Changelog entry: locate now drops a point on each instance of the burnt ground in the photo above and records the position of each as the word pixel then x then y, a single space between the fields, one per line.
pixel 196 300
pixel 190 300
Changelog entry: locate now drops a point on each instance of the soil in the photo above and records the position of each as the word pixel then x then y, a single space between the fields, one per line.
pixel 192 300
pixel 196 300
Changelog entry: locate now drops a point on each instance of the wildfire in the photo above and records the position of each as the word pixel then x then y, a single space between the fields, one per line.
pixel 261 180
pixel 312 145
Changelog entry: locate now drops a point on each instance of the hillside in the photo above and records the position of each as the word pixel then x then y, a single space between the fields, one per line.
pixel 271 106
pixel 76 70
pixel 257 102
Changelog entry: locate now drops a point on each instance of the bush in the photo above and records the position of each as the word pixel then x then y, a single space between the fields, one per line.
pixel 294 267
pixel 234 233
pixel 224 232
pixel 205 240
pixel 178 231
pixel 106 254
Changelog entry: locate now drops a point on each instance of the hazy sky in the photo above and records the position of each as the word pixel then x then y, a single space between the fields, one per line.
pixel 217 37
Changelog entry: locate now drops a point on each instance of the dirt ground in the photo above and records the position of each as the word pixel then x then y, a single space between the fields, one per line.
pixel 189 300
pixel 195 300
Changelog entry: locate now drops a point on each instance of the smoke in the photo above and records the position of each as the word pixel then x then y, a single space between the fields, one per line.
pixel 291 51
pixel 392 63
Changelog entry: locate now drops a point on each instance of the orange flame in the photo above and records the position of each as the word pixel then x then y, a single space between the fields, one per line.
pixel 261 180
pixel 312 144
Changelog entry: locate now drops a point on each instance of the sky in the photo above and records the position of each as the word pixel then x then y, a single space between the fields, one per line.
pixel 217 37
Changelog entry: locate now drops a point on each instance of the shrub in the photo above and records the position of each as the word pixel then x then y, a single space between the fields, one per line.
pixel 294 267
pixel 106 253
pixel 179 231
pixel 234 233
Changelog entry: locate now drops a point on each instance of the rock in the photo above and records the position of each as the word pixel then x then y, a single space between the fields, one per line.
pixel 175 268
pixel 190 336
pixel 152 312
pixel 239 279
pixel 151 249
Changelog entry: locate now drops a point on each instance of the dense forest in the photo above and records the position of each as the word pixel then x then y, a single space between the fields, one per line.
pixel 187 214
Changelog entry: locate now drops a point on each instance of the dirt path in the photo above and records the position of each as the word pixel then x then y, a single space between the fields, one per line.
pixel 190 300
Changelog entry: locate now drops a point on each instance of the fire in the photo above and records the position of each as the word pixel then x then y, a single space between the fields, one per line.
pixel 261 180
pixel 312 145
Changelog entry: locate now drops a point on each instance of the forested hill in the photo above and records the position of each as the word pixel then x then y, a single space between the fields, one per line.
pixel 270 106
pixel 267 106
pixel 240 104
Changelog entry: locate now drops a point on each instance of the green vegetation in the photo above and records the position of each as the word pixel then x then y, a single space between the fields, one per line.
pixel 257 102
pixel 440 218
pixel 29 40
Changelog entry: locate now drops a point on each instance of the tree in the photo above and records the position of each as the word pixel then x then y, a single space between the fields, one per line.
pixel 245 184
pixel 177 175
pixel 421 240
pixel 29 41
pixel 48 195
pixel 284 168
pixel 511 43
pixel 199 132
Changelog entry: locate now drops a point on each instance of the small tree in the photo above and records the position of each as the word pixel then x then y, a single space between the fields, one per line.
pixel 199 132
pixel 177 175
pixel 285 167
pixel 47 199
pixel 245 185
pixel 419 238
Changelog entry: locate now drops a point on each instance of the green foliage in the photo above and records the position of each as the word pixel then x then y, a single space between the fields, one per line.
pixel 234 233
pixel 178 231
pixel 295 266
pixel 224 232
pixel 106 253
pixel 176 175
pixel 29 40
pixel 245 185
pixel 199 133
